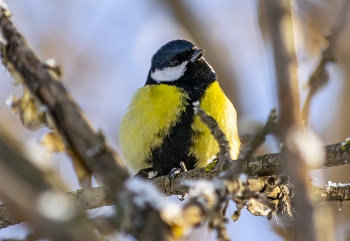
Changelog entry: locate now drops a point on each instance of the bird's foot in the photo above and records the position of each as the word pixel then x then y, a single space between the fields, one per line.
pixel 173 174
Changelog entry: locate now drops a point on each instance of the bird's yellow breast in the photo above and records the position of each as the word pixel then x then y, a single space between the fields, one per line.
pixel 154 109
pixel 215 103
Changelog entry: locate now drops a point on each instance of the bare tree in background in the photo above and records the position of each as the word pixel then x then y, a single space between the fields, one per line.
pixel 274 184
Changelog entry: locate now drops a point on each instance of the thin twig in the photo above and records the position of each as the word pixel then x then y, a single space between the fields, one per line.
pixel 230 184
pixel 239 165
pixel 258 139
pixel 319 78
pixel 224 155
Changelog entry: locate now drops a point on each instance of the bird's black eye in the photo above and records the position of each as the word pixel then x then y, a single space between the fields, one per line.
pixel 174 62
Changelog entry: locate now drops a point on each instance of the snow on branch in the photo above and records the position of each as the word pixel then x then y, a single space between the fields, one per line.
pixel 97 198
pixel 264 165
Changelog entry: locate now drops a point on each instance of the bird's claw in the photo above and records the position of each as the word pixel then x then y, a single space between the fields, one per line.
pixel 182 197
pixel 173 174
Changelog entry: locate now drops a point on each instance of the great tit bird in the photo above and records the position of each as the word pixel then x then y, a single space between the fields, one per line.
pixel 160 129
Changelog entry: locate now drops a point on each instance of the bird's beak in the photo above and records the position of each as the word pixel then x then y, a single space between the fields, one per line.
pixel 196 55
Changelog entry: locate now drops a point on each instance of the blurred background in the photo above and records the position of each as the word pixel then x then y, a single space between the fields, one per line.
pixel 105 48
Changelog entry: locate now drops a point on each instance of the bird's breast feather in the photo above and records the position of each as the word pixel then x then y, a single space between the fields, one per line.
pixel 215 103
pixel 154 109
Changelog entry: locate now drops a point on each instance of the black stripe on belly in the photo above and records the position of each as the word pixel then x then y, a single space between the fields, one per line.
pixel 175 146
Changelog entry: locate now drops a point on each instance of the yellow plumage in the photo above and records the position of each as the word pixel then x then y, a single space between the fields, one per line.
pixel 155 109
pixel 217 105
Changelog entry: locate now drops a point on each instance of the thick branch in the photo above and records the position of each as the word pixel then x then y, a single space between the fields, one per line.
pixel 338 193
pixel 270 164
pixel 24 187
pixel 280 21
pixel 84 143
pixel 97 198
pixel 83 199
pixel 70 121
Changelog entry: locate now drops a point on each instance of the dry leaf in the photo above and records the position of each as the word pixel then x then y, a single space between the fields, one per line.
pixel 53 142
pixel 27 109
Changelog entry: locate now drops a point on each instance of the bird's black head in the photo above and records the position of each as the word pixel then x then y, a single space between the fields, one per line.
pixel 180 63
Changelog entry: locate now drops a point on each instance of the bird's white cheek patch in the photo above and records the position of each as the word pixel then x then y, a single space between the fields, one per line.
pixel 169 74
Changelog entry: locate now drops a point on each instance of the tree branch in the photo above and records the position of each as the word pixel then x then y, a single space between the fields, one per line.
pixel 29 194
pixel 280 21
pixel 319 78
pixel 97 198
pixel 336 193
pixel 264 165
pixel 82 142
pixel 70 121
